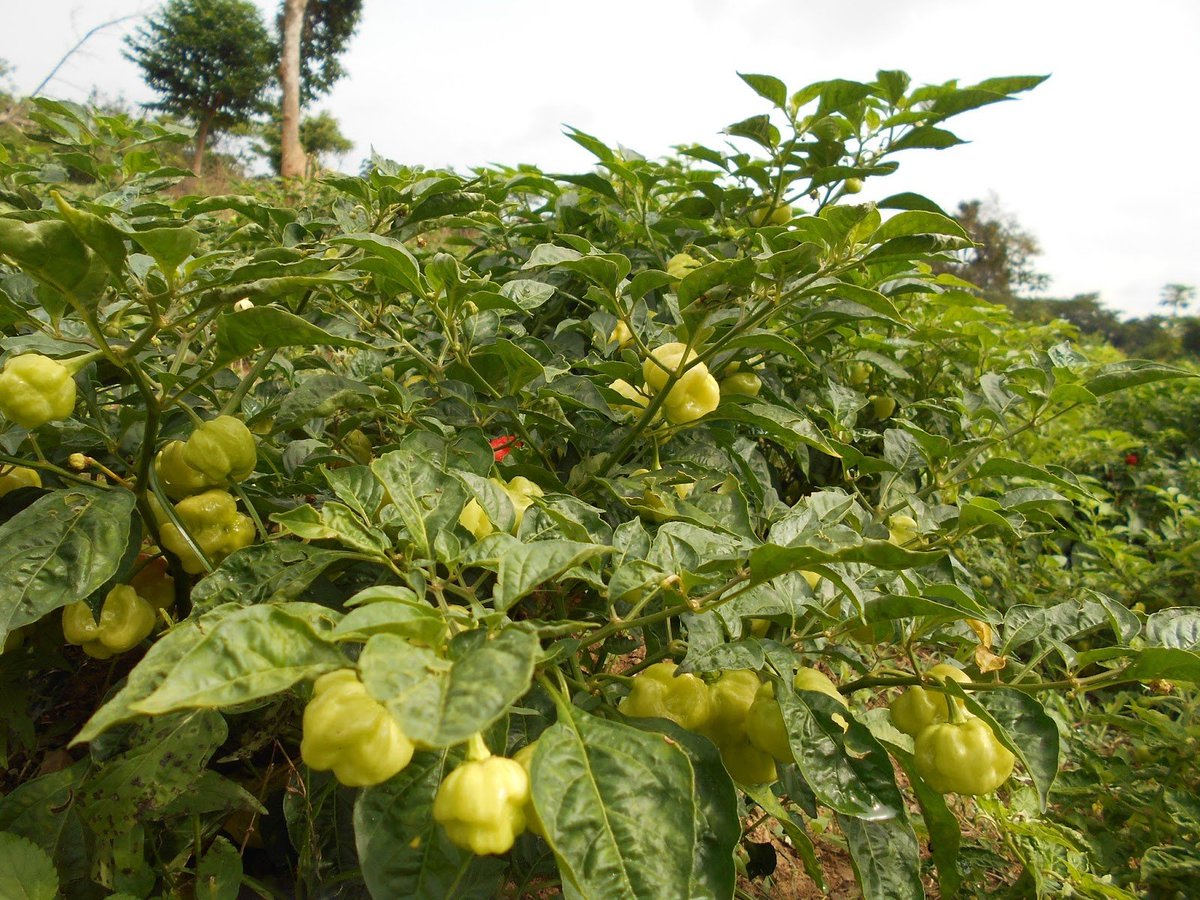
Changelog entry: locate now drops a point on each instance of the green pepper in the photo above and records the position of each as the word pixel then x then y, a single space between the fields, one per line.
pixel 658 693
pixel 126 619
pixel 213 521
pixel 746 384
pixel 917 708
pixel 747 764
pixel 533 822
pixel 176 477
pixel 349 731
pixel 222 450
pixel 730 698
pixel 693 395
pixel 35 389
pixel 482 803
pixel 962 757
pixel 765 726
pixel 14 477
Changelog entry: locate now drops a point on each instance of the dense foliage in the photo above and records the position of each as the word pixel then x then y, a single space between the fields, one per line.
pixel 515 530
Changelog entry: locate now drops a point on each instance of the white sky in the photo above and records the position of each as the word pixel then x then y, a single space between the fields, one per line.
pixel 1097 163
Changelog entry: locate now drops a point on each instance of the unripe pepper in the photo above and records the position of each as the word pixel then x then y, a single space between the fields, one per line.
pixel 765 726
pixel 475 519
pixel 693 395
pixel 621 335
pixel 680 264
pixel 657 693
pixel 903 530
pixel 962 757
pixel 175 476
pixel 917 708
pixel 154 583
pixel 482 803
pixel 14 477
pixel 730 697
pixel 222 450
pixel 349 731
pixel 746 384
pixel 533 822
pixel 35 389
pixel 883 406
pixel 213 521
pixel 747 764
pixel 521 492
pixel 125 621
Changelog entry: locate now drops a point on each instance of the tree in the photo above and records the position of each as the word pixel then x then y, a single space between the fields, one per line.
pixel 1177 298
pixel 210 60
pixel 320 138
pixel 313 33
pixel 1002 263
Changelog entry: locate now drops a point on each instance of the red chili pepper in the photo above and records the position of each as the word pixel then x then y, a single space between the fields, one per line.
pixel 504 444
pixel 1131 459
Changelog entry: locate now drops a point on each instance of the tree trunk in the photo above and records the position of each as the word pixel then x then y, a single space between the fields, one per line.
pixel 201 140
pixel 291 163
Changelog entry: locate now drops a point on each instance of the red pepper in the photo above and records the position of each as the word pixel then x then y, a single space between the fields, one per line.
pixel 504 445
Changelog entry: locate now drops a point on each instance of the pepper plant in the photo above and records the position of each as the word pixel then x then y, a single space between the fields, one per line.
pixel 502 530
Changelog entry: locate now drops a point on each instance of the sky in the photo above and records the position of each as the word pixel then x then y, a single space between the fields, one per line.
pixel 1096 163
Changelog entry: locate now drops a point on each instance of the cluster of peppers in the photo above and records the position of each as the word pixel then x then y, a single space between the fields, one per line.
pixel 955 751
pixel 197 473
pixel 127 615
pixel 484 804
pixel 694 394
pixel 738 712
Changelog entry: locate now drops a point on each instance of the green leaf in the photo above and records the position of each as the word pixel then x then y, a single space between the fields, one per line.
pixel 219 874
pixel 169 246
pixel 441 702
pixel 166 757
pixel 768 87
pixel 320 396
pixel 917 222
pixel 60 549
pixel 26 872
pixel 769 561
pixel 50 251
pixel 274 571
pixel 696 283
pixel 1120 376
pixel 1178 628
pixel 885 856
pixel 388 257
pixel 413 620
pixel 425 498
pixel 619 807
pixel 403 852
pixel 522 567
pixel 42 810
pixel 1165 662
pixel 240 334
pixel 718 828
pixel 1011 468
pixel 848 771
pixel 246 654
pixel 102 236
pixel 945 837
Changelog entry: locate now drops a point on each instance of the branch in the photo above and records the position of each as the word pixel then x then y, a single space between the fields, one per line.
pixel 91 32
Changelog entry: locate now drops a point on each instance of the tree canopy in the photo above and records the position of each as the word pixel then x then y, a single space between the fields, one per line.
pixel 209 60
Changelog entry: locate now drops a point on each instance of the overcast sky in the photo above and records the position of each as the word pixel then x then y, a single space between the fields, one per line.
pixel 1098 163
